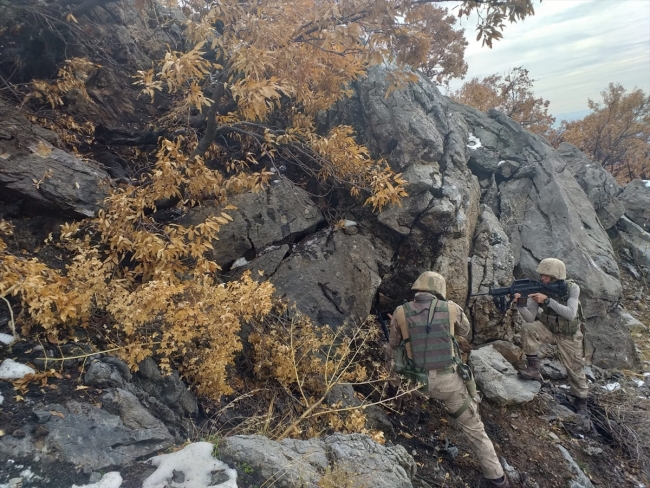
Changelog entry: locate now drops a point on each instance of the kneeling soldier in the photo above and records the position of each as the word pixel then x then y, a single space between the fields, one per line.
pixel 426 327
pixel 557 320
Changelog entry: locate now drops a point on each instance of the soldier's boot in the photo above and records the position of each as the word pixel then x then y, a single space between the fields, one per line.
pixel 532 369
pixel 584 417
pixel 501 482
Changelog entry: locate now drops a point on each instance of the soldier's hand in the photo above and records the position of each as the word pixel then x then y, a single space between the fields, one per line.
pixel 538 297
pixel 516 296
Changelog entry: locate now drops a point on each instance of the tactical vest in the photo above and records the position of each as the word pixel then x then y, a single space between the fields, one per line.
pixel 557 324
pixel 429 333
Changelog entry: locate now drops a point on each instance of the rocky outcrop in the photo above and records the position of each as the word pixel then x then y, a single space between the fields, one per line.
pixel 543 209
pixel 90 436
pixel 293 463
pixel 637 242
pixel 497 379
pixel 434 226
pixel 331 276
pixel 278 215
pixel 128 36
pixel 598 184
pixel 545 213
pixel 45 177
pixel 636 199
pixel 166 396
pixel 491 264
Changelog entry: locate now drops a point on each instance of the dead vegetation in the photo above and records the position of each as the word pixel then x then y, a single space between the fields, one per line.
pixel 624 416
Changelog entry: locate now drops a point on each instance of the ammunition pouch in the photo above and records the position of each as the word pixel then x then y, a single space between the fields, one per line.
pixel 560 325
pixel 405 367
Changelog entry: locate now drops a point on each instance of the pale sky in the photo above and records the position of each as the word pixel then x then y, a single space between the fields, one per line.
pixel 572 48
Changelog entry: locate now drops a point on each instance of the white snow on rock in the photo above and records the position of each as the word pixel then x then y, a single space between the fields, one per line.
pixel 11 370
pixel 473 142
pixel 196 463
pixel 2 399
pixel 239 263
pixel 6 338
pixel 612 386
pixel 109 480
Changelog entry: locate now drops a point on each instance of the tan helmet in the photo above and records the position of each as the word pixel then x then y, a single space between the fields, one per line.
pixel 552 267
pixel 431 282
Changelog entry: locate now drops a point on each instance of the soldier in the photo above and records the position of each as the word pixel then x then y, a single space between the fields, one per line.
pixel 428 339
pixel 556 320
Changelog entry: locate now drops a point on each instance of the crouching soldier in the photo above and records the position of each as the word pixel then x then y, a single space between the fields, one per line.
pixel 425 327
pixel 557 320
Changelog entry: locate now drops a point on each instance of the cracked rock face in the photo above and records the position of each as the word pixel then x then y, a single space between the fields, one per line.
pixel 636 199
pixel 331 276
pixel 278 215
pixel 599 185
pixel 545 213
pixel 418 136
pixel 295 463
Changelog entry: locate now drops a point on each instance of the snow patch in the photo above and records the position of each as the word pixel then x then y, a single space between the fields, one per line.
pixel 473 142
pixel 109 480
pixel 591 261
pixel 196 463
pixel 6 338
pixel 639 383
pixel 2 399
pixel 612 386
pixel 28 475
pixel 11 370
pixel 239 263
pixel 646 183
pixel 501 162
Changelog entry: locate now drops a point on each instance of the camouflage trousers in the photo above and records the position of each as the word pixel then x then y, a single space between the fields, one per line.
pixel 450 390
pixel 571 352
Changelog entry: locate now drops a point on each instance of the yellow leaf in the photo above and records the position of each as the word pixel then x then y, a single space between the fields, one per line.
pixel 72 18
pixel 82 387
pixel 57 414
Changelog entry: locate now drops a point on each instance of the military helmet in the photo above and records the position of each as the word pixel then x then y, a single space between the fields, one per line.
pixel 552 267
pixel 431 282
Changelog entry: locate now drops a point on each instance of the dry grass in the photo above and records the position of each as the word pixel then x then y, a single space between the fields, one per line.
pixel 625 417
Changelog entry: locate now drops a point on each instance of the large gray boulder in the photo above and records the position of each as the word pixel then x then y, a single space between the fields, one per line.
pixel 293 463
pixel 637 241
pixel 491 265
pixel 331 276
pixel 434 226
pixel 276 215
pixel 498 379
pixel 598 184
pixel 636 199
pixel 47 178
pixel 91 437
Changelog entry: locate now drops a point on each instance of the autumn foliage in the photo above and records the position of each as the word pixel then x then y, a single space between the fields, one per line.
pixel 616 133
pixel 511 94
pixel 255 74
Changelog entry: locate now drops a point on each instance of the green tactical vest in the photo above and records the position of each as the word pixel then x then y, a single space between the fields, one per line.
pixel 557 324
pixel 431 341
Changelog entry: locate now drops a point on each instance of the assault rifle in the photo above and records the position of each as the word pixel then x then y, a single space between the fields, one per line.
pixel 524 287
pixel 382 322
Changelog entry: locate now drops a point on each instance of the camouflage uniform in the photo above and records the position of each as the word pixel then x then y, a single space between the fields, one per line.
pixel 558 321
pixel 446 385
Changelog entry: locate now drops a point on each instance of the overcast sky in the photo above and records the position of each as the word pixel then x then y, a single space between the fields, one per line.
pixel 573 49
